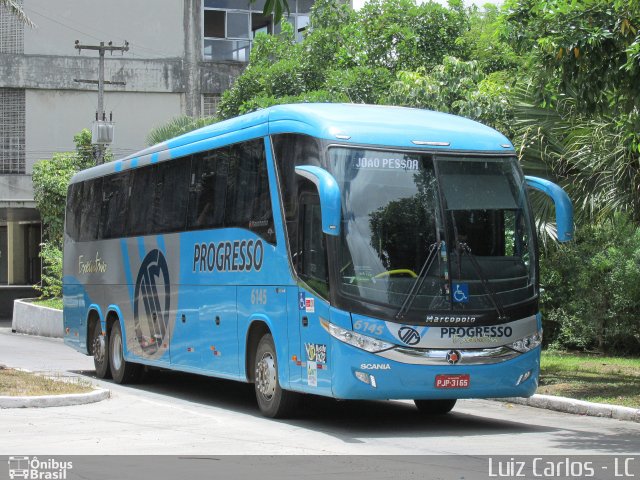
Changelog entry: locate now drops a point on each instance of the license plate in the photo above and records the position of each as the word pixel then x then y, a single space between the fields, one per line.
pixel 453 381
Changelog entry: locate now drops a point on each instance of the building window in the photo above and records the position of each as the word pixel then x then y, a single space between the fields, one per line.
pixel 210 102
pixel 229 26
pixel 12 126
pixel 11 31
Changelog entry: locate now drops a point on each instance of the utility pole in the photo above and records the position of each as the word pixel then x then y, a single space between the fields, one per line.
pixel 101 130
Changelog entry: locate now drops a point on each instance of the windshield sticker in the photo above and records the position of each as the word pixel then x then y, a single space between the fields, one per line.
pixel 387 163
pixel 461 292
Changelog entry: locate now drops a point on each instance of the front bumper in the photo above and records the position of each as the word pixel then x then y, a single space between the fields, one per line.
pixel 393 379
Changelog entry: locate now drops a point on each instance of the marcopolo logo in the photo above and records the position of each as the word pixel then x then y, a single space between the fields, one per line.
pixel 33 468
pixel 409 335
pixel 152 302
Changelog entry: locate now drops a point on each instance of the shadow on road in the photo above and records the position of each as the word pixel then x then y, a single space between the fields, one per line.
pixel 345 420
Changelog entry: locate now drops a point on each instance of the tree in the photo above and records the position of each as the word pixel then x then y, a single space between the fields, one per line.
pixel 346 55
pixel 50 183
pixel 177 126
pixel 277 7
pixel 590 48
pixel 16 10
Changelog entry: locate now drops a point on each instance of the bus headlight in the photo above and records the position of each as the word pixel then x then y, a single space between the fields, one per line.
pixel 527 343
pixel 358 340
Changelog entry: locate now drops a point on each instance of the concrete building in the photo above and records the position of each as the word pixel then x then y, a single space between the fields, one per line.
pixel 182 55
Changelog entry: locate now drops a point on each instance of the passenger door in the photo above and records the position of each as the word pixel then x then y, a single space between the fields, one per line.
pixel 311 264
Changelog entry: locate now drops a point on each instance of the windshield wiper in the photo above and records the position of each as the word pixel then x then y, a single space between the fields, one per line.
pixel 464 248
pixel 419 281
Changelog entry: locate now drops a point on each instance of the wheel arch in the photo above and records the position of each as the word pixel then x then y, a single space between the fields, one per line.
pixel 94 315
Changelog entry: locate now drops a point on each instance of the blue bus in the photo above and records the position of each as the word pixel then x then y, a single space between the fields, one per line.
pixel 350 251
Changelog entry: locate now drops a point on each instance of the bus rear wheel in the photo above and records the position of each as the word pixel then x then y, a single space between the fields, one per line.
pixel 121 370
pixel 273 401
pixel 99 344
pixel 435 407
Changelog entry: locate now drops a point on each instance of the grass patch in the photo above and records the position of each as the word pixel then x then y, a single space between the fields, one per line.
pixel 16 383
pixel 49 302
pixel 593 378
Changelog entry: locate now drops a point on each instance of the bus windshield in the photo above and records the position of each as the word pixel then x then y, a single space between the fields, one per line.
pixel 471 213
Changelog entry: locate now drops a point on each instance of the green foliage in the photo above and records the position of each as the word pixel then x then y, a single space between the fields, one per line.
pixel 588 47
pixel 50 183
pixel 352 56
pixel 277 7
pixel 591 294
pixel 51 286
pixel 456 87
pixel 587 153
pixel 177 126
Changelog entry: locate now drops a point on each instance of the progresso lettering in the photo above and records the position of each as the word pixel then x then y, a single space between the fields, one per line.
pixel 475 332
pixel 227 256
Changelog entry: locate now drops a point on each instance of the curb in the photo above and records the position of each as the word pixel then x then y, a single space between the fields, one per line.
pixel 577 407
pixel 31 319
pixel 45 401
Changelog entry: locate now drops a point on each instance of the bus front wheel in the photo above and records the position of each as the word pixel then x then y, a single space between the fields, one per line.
pixel 121 370
pixel 273 401
pixel 435 407
pixel 99 344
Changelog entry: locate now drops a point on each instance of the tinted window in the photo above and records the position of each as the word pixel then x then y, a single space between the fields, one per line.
pixel 171 195
pixel 115 198
pixel 290 151
pixel 230 188
pixel 89 209
pixel 141 196
pixel 248 200
pixel 72 219
pixel 208 190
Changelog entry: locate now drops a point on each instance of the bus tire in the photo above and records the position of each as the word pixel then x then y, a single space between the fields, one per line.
pixel 435 407
pixel 121 370
pixel 100 350
pixel 273 401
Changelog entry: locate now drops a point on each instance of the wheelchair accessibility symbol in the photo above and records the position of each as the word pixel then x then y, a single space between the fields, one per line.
pixel 461 292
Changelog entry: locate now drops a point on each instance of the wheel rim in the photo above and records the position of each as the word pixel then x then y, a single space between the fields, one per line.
pixel 266 376
pixel 117 352
pixel 99 348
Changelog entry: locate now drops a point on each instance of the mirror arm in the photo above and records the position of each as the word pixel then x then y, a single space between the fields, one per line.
pixel 564 208
pixel 329 193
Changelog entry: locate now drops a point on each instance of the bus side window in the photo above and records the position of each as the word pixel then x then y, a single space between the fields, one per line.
pixel 142 193
pixel 312 258
pixel 172 190
pixel 90 209
pixel 115 198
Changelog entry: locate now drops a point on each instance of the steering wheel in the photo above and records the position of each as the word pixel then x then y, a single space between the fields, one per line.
pixel 399 271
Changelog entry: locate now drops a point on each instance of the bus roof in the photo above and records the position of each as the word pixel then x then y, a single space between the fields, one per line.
pixel 357 124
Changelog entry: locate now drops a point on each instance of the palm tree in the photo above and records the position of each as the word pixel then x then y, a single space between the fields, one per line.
pixel 588 154
pixel 16 9
pixel 277 7
pixel 177 126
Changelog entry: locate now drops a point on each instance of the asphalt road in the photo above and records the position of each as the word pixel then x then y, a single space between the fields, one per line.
pixel 178 414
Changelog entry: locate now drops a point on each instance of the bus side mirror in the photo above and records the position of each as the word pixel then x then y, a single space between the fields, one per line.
pixel 564 209
pixel 329 193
